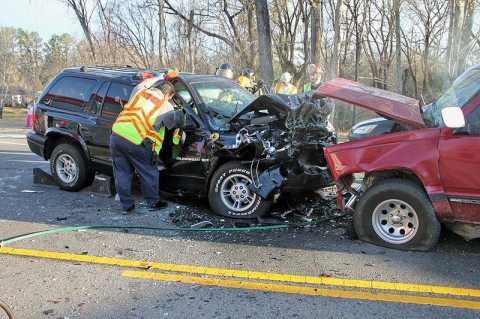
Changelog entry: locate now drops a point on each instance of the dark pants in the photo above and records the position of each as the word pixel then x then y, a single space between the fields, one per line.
pixel 128 157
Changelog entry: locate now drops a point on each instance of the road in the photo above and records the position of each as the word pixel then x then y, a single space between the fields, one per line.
pixel 127 272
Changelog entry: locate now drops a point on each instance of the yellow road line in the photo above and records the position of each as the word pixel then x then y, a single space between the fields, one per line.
pixel 379 285
pixel 362 295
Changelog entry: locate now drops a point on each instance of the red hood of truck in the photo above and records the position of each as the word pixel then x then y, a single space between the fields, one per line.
pixel 388 104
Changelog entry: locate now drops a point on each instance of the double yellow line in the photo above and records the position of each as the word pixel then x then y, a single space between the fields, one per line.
pixel 307 285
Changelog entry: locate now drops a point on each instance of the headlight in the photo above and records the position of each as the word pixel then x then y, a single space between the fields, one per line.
pixel 364 129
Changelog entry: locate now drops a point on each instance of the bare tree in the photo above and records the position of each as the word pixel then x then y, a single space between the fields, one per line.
pixel 161 33
pixel 135 27
pixel 264 40
pixel 84 17
pixel 336 47
pixel 355 9
pixel 459 35
pixel 316 30
pixel 286 34
pixel 378 41
pixel 219 21
pixel 432 28
pixel 398 46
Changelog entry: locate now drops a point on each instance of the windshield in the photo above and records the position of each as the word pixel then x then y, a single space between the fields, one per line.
pixel 222 99
pixel 463 89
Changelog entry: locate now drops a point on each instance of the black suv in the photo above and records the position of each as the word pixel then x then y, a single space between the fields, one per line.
pixel 237 150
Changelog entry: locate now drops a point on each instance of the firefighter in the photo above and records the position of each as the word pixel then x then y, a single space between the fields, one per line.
pixel 246 78
pixel 225 70
pixel 314 73
pixel 136 140
pixel 283 85
pixel 247 81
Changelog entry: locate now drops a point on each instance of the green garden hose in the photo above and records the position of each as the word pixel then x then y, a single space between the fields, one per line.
pixel 77 228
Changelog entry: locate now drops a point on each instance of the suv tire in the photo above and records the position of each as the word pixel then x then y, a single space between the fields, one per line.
pixel 397 213
pixel 229 195
pixel 69 168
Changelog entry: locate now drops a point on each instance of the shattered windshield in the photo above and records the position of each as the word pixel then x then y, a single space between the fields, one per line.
pixel 463 89
pixel 222 99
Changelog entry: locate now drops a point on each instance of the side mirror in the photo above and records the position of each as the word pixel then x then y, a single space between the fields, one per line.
pixel 453 117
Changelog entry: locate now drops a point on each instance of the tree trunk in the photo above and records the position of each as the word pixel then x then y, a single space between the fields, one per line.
pixel 466 35
pixel 191 50
pixel 316 31
pixel 336 49
pixel 161 28
pixel 264 40
pixel 251 32
pixel 449 48
pixel 398 46
pixel 336 46
pixel 80 9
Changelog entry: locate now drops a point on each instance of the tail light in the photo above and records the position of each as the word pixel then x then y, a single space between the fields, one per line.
pixel 34 121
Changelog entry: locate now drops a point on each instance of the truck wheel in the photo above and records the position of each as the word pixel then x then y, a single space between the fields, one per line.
pixel 69 168
pixel 397 213
pixel 229 195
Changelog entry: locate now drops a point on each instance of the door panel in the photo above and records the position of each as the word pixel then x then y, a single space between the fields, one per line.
pixel 460 168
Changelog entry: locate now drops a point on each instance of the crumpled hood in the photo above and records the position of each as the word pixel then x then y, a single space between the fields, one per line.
pixel 275 104
pixel 283 137
pixel 391 105
pixel 280 106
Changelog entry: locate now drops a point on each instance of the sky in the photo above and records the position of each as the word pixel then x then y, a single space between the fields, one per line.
pixel 47 17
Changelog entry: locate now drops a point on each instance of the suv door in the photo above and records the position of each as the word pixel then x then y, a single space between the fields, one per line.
pixel 185 164
pixel 459 157
pixel 108 103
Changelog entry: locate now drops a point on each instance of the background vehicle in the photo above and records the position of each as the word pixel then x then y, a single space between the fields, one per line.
pixel 372 127
pixel 416 178
pixel 236 150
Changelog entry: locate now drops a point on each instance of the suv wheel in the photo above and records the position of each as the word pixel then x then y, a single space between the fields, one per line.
pixel 229 194
pixel 397 213
pixel 69 168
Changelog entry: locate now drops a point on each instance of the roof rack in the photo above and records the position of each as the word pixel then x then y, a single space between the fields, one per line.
pixel 121 69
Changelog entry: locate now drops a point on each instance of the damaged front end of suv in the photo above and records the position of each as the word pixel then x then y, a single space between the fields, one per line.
pixel 279 143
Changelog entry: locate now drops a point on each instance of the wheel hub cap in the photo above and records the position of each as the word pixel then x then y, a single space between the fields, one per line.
pixel 66 168
pixel 395 221
pixel 235 193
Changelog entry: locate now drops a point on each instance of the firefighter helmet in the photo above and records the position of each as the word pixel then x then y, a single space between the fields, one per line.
pixel 225 70
pixel 314 68
pixel 248 73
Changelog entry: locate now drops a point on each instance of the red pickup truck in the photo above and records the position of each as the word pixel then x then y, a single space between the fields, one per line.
pixel 414 179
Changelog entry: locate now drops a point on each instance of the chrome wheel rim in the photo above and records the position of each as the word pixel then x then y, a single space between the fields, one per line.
pixel 66 168
pixel 395 221
pixel 235 194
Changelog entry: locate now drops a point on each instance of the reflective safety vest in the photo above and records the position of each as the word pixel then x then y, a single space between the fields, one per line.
pixel 279 86
pixel 307 87
pixel 177 136
pixel 138 116
pixel 244 81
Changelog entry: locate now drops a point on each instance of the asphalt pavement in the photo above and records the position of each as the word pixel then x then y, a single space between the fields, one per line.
pixel 146 268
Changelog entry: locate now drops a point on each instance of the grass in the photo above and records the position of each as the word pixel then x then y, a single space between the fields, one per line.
pixel 13 117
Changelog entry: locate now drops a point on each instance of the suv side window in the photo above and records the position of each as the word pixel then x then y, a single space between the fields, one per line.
pixel 98 100
pixel 182 91
pixel 117 96
pixel 473 122
pixel 69 93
